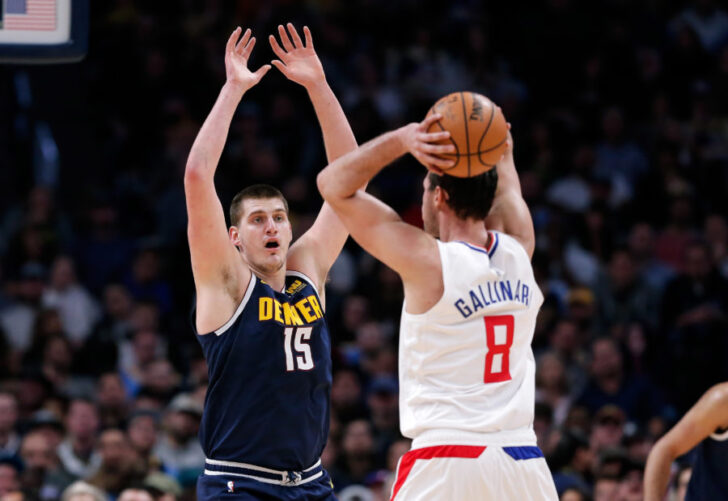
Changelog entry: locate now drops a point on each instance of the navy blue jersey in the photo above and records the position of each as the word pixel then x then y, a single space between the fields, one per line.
pixel 709 480
pixel 269 367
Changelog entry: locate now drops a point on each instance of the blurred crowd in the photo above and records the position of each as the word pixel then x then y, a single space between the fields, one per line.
pixel 620 120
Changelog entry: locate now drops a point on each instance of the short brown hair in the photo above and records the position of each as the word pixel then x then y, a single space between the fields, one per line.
pixel 470 198
pixel 256 191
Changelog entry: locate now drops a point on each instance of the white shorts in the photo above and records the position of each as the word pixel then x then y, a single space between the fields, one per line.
pixel 470 473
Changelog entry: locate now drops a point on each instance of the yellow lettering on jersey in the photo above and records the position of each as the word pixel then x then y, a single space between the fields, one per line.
pixel 305 310
pixel 265 309
pixel 316 306
pixel 290 315
pixel 294 286
pixel 277 309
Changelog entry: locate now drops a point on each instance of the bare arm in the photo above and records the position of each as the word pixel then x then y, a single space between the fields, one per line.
pixel 318 248
pixel 219 274
pixel 703 419
pixel 409 251
pixel 510 213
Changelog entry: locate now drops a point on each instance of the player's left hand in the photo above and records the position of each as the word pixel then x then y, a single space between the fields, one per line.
pixel 298 61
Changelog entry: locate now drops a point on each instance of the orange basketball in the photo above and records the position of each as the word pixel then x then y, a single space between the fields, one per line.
pixel 478 130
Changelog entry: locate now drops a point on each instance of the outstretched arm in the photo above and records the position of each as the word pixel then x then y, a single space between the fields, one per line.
pixel 510 213
pixel 219 274
pixel 703 419
pixel 317 249
pixel 408 250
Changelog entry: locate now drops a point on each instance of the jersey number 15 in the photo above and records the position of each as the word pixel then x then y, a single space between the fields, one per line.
pixel 298 351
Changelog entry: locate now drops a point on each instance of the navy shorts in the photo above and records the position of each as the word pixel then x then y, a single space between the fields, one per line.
pixel 211 487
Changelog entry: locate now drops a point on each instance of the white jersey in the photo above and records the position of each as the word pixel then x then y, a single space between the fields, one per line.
pixel 467 372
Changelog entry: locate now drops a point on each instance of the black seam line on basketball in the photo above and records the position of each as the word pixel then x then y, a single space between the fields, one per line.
pixel 495 146
pixel 467 137
pixel 466 154
pixel 457 150
pixel 490 122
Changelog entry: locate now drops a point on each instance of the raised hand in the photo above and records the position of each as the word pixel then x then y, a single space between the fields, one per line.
pixel 236 60
pixel 297 61
pixel 423 145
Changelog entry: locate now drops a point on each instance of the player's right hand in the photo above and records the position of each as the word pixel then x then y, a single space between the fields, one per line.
pixel 423 145
pixel 236 60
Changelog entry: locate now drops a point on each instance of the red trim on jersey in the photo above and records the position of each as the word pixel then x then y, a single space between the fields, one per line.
pixel 492 241
pixel 438 451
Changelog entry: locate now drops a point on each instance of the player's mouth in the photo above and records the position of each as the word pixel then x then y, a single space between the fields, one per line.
pixel 272 244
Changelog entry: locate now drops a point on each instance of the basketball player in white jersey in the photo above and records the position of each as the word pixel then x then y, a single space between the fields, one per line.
pixel 465 360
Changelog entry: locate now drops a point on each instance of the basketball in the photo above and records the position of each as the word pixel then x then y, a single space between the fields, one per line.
pixel 478 130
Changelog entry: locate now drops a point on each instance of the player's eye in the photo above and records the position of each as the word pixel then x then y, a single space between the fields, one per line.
pixel 279 218
pixel 257 219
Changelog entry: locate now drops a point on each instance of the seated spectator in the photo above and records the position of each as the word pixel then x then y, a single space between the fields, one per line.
pixel 178 448
pixel 9 437
pixel 119 466
pixel 78 452
pixel 43 475
pixel 82 491
pixel 609 384
pixel 78 310
pixel 9 475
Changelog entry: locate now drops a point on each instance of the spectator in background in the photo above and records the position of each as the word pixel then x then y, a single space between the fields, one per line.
pixel 178 447
pixel 654 273
pixel 111 400
pixel 347 401
pixel 605 488
pixel 610 384
pixel 143 349
pixel 47 423
pixel 693 315
pixel 383 403
pixel 78 452
pixel 356 459
pixel 78 309
pixel 17 319
pixel 9 476
pixel 132 494
pixel 9 437
pixel 119 466
pixel 143 430
pixel 145 282
pixel 101 350
pixel 552 386
pixel 716 234
pixel 81 491
pixel 42 475
pixel 622 296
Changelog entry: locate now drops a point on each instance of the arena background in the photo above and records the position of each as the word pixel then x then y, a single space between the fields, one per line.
pixel 620 118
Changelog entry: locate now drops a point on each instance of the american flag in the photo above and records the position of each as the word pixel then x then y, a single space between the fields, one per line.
pixel 32 15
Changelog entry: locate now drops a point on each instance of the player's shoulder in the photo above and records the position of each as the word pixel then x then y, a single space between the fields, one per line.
pixel 297 282
pixel 508 244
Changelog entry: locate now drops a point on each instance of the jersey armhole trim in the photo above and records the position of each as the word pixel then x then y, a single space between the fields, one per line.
pixel 306 278
pixel 720 436
pixel 241 306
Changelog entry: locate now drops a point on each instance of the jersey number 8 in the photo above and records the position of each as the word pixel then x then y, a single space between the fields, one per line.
pixel 499 339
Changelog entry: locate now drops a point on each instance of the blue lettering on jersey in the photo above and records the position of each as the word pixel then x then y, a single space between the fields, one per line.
pixel 493 292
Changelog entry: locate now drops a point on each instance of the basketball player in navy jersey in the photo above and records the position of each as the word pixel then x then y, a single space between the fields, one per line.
pixel 260 306
pixel 466 369
pixel 704 425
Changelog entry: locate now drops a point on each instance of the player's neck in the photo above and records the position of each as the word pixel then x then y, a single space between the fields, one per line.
pixel 276 279
pixel 466 230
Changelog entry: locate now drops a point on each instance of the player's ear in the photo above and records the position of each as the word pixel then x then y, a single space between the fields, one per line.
pixel 441 197
pixel 234 235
